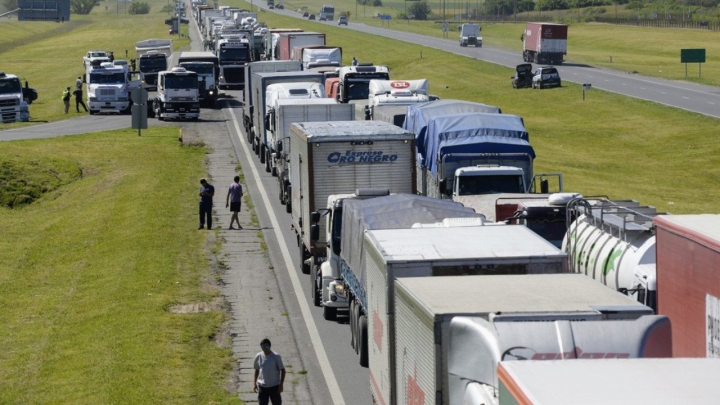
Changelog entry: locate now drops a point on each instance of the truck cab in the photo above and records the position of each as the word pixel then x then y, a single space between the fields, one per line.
pixel 207 86
pixel 152 57
pixel 395 93
pixel 107 89
pixel 233 53
pixel 470 35
pixel 11 97
pixel 178 95
pixel 354 81
pixel 488 179
pixel 95 58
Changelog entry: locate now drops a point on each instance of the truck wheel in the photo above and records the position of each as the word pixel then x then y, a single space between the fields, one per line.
pixel 303 256
pixel 288 200
pixel 362 326
pixel 274 171
pixel 314 291
pixel 268 169
pixel 93 112
pixel 351 321
pixel 281 195
pixel 262 153
pixel 329 313
pixel 356 325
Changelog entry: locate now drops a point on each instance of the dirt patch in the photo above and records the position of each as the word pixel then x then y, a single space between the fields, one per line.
pixel 198 307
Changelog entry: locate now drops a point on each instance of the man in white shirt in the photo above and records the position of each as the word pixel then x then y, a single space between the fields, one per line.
pixel 269 375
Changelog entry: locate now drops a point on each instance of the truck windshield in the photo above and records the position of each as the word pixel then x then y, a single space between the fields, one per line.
pixel 234 54
pixel 151 65
pixel 181 82
pixel 200 69
pixel 473 185
pixel 357 87
pixel 336 230
pixel 107 78
pixel 10 86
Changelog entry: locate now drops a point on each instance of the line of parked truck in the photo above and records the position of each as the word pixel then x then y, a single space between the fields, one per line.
pixel 422 223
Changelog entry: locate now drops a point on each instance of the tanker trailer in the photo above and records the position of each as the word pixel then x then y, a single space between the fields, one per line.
pixel 614 243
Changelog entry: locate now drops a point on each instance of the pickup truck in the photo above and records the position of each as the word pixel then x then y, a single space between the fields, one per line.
pixel 95 58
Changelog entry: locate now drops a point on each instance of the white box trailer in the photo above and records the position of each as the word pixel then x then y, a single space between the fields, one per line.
pixel 617 382
pixel 432 252
pixel 338 158
pixel 256 67
pixel 424 314
pixel 289 111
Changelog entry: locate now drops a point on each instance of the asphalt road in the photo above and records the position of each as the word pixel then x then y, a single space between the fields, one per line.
pixel 687 96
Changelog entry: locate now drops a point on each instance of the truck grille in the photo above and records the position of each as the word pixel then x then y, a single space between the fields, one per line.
pixel 10 102
pixel 106 92
pixel 234 75
pixel 9 116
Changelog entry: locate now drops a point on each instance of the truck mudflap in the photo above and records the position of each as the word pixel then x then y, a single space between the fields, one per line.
pixel 354 284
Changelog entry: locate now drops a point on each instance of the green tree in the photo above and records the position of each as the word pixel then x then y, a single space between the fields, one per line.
pixel 139 8
pixel 82 6
pixel 420 10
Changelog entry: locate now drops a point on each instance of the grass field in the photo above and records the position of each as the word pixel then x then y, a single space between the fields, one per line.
pixel 93 269
pixel 49 55
pixel 606 145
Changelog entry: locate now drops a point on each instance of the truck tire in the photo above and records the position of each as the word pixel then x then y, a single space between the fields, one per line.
pixel 363 343
pixel 351 318
pixel 268 169
pixel 303 256
pixel 329 313
pixel 281 195
pixel 288 199
pixel 356 325
pixel 262 153
pixel 314 291
pixel 274 171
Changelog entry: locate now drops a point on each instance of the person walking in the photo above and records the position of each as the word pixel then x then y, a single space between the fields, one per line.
pixel 78 83
pixel 233 200
pixel 78 100
pixel 66 99
pixel 354 61
pixel 207 191
pixel 269 375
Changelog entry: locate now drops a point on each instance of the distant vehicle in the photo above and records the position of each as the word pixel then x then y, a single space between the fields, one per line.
pixel 280 7
pixel 343 20
pixel 327 12
pixel 523 76
pixel 546 76
pixel 305 14
pixel 95 58
pixel 311 17
pixel 470 35
pixel 545 43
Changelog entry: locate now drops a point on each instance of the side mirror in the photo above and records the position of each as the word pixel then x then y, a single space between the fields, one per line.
pixel 314 232
pixel 267 121
pixel 314 217
pixel 279 146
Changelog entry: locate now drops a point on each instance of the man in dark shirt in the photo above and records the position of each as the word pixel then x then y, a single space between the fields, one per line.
pixel 207 191
pixel 78 93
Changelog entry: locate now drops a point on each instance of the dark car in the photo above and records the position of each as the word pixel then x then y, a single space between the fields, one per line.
pixel 546 76
pixel 523 76
pixel 280 7
pixel 311 17
pixel 29 94
pixel 305 14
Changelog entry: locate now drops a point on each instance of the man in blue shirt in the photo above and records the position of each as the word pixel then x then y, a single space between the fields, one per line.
pixel 207 191
pixel 269 375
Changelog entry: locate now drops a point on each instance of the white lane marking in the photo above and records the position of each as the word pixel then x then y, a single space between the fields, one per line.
pixel 686 98
pixel 662 92
pixel 642 88
pixel 322 357
pixel 711 103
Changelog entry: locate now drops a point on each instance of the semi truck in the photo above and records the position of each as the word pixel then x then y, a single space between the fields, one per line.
pixel 394 254
pixel 270 41
pixel 284 113
pixel 260 83
pixel 233 53
pixel 318 56
pixel 205 64
pixel 11 97
pixel 349 216
pixel 613 242
pixel 688 281
pixel 288 40
pixel 545 43
pixel 470 35
pixel 340 157
pixel 152 57
pixel 391 93
pixel 107 89
pixel 447 350
pixel 663 381
pixel 279 91
pixel 248 102
pixel 177 95
pixel 353 84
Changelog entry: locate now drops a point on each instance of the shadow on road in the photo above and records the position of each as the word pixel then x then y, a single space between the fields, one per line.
pixel 582 65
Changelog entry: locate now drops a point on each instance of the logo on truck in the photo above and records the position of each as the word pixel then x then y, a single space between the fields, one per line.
pixel 377 330
pixel 415 393
pixel 399 85
pixel 353 157
pixel 526 353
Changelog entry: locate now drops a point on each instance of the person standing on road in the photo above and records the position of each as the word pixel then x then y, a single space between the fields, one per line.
pixel 269 375
pixel 66 99
pixel 78 100
pixel 233 200
pixel 207 191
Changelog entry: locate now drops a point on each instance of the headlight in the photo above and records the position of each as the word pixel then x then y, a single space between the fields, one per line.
pixel 210 92
pixel 339 289
pixel 222 77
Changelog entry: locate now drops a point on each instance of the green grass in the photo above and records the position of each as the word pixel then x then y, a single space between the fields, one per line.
pixel 49 55
pixel 606 145
pixel 92 267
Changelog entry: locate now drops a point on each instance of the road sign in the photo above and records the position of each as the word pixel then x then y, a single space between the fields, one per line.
pixel 587 86
pixel 692 56
pixel 139 117
pixel 139 96
pixel 386 17
pixel 44 10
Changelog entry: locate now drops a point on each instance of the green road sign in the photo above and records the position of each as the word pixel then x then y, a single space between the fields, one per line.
pixel 692 56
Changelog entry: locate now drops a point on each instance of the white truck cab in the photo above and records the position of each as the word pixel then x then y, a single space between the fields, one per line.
pixel 107 89
pixel 470 35
pixel 395 93
pixel 488 179
pixel 95 58
pixel 178 95
pixel 11 97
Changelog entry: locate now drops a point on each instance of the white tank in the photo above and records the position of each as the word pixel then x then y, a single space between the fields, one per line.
pixel 614 243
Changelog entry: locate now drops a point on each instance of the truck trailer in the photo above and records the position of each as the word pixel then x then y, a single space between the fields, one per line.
pixel 393 254
pixel 663 381
pixel 340 157
pixel 318 56
pixel 545 303
pixel 288 40
pixel 688 281
pixel 284 113
pixel 614 243
pixel 545 43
